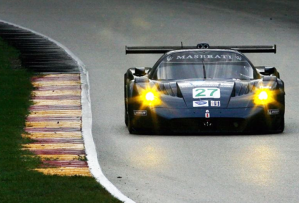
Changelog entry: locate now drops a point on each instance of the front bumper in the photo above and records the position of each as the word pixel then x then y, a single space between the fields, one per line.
pixel 237 120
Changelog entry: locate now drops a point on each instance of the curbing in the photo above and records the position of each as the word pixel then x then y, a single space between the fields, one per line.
pixel 90 148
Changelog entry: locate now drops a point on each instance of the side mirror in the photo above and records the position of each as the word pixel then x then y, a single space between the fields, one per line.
pixel 267 70
pixel 139 71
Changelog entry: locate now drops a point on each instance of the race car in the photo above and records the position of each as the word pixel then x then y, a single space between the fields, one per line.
pixel 204 89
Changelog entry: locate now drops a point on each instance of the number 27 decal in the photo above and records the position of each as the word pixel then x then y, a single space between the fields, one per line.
pixel 206 93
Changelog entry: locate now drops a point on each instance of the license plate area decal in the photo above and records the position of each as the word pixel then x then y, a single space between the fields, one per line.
pixel 206 93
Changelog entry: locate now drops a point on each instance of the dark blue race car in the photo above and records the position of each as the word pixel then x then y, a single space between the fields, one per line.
pixel 203 89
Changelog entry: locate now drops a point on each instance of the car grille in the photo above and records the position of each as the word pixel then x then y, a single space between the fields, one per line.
pixel 207 125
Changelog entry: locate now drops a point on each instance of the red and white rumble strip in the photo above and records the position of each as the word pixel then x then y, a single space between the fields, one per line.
pixel 55 124
pixel 45 136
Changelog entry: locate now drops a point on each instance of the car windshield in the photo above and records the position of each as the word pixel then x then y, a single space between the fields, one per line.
pixel 205 65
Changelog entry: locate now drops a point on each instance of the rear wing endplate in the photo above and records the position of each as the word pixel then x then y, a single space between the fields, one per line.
pixel 164 49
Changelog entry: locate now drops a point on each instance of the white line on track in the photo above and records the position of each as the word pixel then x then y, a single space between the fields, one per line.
pixel 90 148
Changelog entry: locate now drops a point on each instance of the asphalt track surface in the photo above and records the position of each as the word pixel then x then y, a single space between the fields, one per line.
pixel 238 168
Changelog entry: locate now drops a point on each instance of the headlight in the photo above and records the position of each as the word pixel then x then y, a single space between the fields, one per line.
pixel 264 96
pixel 150 97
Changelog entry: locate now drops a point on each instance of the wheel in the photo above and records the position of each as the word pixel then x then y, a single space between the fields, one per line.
pixel 278 125
pixel 281 125
pixel 126 117
pixel 125 100
pixel 131 126
pixel 126 113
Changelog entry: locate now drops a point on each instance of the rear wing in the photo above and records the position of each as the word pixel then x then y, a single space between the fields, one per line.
pixel 164 49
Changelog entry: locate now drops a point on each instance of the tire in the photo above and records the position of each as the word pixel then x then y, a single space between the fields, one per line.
pixel 279 125
pixel 125 101
pixel 126 118
pixel 126 112
pixel 131 126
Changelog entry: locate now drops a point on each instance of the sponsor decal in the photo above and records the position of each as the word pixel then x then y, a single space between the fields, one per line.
pixel 200 103
pixel 227 84
pixel 265 87
pixel 207 114
pixel 169 58
pixel 199 84
pixel 185 85
pixel 203 56
pixel 206 93
pixel 273 111
pixel 207 84
pixel 215 103
pixel 140 112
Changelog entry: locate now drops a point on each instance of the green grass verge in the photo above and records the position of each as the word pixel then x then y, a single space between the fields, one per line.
pixel 18 183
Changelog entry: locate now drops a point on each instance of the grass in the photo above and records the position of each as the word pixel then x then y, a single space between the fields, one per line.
pixel 18 182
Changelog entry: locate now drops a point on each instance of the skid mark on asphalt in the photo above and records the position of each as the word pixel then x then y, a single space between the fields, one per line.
pixel 55 124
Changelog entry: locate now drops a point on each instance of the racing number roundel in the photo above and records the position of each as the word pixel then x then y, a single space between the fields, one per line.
pixel 206 93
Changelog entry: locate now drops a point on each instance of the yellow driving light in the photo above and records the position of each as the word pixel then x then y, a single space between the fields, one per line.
pixel 263 95
pixel 150 96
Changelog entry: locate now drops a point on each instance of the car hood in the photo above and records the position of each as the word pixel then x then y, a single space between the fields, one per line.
pixel 208 94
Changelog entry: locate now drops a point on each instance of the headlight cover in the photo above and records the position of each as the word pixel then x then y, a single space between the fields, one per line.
pixel 150 97
pixel 264 96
